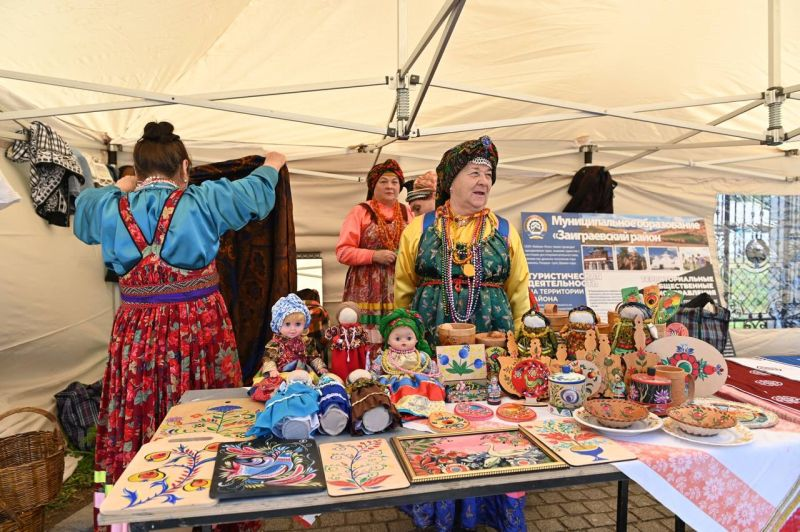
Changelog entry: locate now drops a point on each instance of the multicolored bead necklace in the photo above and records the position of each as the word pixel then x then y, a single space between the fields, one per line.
pixel 154 180
pixel 468 256
pixel 389 239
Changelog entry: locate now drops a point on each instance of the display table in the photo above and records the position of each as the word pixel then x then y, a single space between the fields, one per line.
pixel 311 503
pixel 710 488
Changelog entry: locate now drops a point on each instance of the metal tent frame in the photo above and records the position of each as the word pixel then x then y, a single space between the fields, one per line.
pixel 401 124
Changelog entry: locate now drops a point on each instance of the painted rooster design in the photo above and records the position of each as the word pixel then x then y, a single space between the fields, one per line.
pixel 283 464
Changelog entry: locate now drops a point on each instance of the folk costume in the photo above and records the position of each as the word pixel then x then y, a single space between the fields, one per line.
pixel 172 332
pixel 368 227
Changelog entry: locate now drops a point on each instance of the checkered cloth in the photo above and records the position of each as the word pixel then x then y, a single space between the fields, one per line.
pixel 52 166
pixel 709 326
pixel 78 406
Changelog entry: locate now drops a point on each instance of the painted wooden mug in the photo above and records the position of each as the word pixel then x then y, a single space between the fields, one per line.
pixel 651 391
pixel 681 383
pixel 567 391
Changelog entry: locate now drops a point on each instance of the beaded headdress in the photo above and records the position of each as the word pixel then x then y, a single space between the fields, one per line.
pixel 456 158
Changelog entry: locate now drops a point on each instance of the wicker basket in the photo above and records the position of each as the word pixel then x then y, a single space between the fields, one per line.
pixel 31 468
pixel 30 521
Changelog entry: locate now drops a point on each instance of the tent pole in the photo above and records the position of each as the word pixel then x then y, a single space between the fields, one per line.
pixel 736 112
pixel 194 102
pixel 25 114
pixel 691 103
pixel 707 166
pixel 437 56
pixel 543 171
pixel 428 35
pixel 774 29
pixel 314 173
pixel 683 124
pixel 539 155
pixel 697 145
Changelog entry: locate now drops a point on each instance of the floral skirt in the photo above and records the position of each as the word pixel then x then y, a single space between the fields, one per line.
pixel 502 512
pixel 156 353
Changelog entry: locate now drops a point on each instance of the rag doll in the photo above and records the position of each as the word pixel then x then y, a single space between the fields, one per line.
pixel 348 341
pixel 623 340
pixel 406 367
pixel 536 325
pixel 579 320
pixel 291 412
pixel 334 404
pixel 371 410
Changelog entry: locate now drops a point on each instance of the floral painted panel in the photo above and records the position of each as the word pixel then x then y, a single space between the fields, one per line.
pixel 362 466
pixel 576 444
pixel 267 466
pixel 462 362
pixel 229 418
pixel 472 454
pixel 165 474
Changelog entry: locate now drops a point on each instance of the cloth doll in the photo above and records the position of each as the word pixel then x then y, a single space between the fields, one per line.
pixel 579 320
pixel 289 348
pixel 334 404
pixel 406 367
pixel 623 334
pixel 291 412
pixel 536 325
pixel 371 410
pixel 348 341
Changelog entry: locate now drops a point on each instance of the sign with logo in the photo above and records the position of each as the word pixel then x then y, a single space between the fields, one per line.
pixel 587 259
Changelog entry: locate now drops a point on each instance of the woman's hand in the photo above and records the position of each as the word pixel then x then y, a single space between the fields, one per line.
pixel 127 183
pixel 275 159
pixel 384 256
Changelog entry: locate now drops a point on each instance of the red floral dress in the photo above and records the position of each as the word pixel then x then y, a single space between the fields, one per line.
pixel 171 334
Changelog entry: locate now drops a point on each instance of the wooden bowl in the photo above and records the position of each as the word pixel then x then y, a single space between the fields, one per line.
pixel 603 328
pixel 492 339
pixel 701 420
pixel 456 333
pixel 616 413
pixel 557 320
pixel 613 318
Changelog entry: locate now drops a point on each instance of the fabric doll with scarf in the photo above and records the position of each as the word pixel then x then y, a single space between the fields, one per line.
pixel 536 325
pixel 348 341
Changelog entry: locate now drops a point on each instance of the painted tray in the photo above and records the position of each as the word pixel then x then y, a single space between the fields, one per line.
pixel 165 474
pixel 447 422
pixel 750 416
pixel 515 413
pixel 229 418
pixel 696 357
pixel 650 423
pixel 736 435
pixel 529 378
pixel 266 466
pixel 362 466
pixel 473 411
pixel 575 444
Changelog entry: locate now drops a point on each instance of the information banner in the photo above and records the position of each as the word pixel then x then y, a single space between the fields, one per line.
pixel 587 259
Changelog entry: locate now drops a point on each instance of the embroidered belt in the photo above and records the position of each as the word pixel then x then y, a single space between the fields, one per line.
pixel 177 292
pixel 458 283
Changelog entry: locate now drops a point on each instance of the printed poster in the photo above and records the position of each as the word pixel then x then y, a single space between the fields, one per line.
pixel 587 259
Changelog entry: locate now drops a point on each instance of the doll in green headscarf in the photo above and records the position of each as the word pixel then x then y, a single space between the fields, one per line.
pixel 406 365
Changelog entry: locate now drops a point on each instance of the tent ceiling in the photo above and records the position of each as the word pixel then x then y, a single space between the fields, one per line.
pixel 599 56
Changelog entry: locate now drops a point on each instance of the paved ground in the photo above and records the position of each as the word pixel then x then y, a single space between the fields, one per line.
pixel 590 507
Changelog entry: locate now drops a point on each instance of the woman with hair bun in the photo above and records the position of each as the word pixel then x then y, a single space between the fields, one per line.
pixel 172 332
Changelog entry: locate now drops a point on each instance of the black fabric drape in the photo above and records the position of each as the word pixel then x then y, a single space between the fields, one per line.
pixel 592 190
pixel 257 264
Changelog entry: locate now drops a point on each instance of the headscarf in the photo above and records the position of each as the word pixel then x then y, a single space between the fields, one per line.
pixel 401 317
pixel 352 306
pixel 424 187
pixel 389 166
pixel 285 306
pixel 456 158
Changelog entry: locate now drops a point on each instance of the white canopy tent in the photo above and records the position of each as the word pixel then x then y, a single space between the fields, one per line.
pixel 701 83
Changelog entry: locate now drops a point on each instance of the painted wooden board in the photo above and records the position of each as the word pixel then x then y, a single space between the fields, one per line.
pixel 229 418
pixel 576 444
pixel 699 359
pixel 266 466
pixel 361 466
pixel 165 474
pixel 462 362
